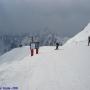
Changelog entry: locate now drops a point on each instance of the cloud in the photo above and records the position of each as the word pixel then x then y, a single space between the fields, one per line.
pixel 66 17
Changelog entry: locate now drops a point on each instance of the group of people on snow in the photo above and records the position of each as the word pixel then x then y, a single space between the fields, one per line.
pixel 35 46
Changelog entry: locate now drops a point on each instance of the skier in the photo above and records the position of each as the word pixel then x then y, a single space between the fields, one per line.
pixel 88 40
pixel 57 45
pixel 20 45
pixel 37 47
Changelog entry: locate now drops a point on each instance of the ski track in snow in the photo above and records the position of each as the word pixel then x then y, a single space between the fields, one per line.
pixel 65 69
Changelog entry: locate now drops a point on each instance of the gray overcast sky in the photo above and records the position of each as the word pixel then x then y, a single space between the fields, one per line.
pixel 65 17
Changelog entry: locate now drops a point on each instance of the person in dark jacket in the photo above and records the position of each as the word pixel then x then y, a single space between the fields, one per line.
pixel 57 45
pixel 37 47
pixel 88 40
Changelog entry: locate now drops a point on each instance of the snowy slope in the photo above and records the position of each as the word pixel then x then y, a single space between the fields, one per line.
pixel 82 36
pixel 15 54
pixel 65 69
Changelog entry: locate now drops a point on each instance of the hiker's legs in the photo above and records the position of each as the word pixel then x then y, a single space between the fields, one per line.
pixel 56 47
pixel 36 51
pixel 32 52
pixel 88 43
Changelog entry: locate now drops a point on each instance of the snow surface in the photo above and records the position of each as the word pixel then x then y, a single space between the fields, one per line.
pixel 65 69
pixel 82 36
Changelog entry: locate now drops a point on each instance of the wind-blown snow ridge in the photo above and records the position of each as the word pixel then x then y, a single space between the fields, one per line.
pixel 82 36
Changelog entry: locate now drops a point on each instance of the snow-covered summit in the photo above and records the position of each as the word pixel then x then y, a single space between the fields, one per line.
pixel 82 36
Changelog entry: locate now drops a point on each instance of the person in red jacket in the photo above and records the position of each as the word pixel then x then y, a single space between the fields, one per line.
pixel 32 47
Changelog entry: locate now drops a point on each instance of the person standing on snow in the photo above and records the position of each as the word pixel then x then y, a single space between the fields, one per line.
pixel 37 47
pixel 57 45
pixel 32 47
pixel 88 40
